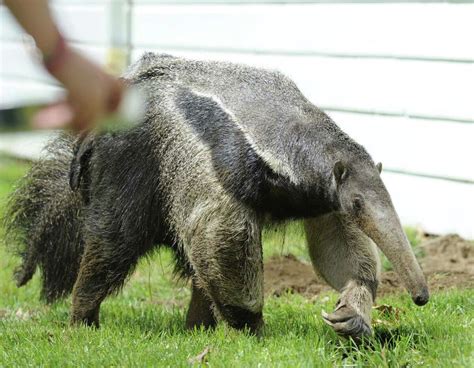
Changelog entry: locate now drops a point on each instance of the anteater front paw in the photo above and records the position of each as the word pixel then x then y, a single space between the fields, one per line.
pixel 347 322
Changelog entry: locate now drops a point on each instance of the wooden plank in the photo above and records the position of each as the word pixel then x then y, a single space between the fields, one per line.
pixel 408 88
pixel 414 88
pixel 258 27
pixel 18 62
pixel 424 147
pixel 84 23
pixel 393 30
pixel 80 23
pixel 261 1
pixel 282 1
pixel 17 91
pixel 10 29
pixel 437 206
pixel 26 145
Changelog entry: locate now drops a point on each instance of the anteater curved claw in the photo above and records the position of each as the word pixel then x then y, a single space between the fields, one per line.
pixel 348 323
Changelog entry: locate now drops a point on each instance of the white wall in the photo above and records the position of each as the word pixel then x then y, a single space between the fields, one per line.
pixel 398 77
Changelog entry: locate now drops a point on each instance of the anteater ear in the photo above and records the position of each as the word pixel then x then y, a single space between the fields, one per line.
pixel 339 171
pixel 379 167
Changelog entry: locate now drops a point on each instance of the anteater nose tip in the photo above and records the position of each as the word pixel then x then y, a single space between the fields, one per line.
pixel 422 298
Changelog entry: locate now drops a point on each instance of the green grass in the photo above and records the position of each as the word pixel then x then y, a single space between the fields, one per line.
pixel 143 326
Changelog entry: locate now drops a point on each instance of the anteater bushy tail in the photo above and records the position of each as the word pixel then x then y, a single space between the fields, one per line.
pixel 43 222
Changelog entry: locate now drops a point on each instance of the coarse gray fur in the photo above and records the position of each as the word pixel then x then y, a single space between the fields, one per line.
pixel 223 150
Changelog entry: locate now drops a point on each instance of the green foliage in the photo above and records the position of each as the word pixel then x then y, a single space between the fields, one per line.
pixel 144 325
pixel 288 238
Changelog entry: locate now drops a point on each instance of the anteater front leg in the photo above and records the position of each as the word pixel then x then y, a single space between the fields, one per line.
pixel 226 256
pixel 348 260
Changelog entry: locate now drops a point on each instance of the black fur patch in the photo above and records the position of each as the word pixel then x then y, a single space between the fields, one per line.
pixel 241 318
pixel 241 170
pixel 150 74
pixel 79 175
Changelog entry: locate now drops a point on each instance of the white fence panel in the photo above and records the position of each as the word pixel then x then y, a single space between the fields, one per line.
pixel 17 61
pixel 399 78
pixel 27 145
pixel 433 148
pixel 81 23
pixel 438 206
pixel 414 88
pixel 402 30
pixel 14 92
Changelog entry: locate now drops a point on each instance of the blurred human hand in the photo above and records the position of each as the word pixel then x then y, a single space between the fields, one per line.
pixel 91 92
pixel 91 95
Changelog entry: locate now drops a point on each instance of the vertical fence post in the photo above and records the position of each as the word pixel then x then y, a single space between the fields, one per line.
pixel 118 53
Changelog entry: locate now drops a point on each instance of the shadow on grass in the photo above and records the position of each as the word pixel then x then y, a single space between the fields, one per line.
pixel 165 322
pixel 161 321
pixel 158 321
pixel 385 338
pixel 389 337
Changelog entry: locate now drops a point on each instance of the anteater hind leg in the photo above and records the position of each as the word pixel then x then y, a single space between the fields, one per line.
pixel 200 311
pixel 226 256
pixel 102 271
pixel 348 260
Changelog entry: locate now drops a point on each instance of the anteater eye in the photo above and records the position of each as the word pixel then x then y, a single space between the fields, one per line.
pixel 357 203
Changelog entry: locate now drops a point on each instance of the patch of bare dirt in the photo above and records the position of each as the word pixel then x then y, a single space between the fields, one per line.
pixel 287 273
pixel 448 262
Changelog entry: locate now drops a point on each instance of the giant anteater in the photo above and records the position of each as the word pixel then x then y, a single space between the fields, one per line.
pixel 222 150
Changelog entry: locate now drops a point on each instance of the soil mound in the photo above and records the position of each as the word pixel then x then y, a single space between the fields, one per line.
pixel 287 273
pixel 447 261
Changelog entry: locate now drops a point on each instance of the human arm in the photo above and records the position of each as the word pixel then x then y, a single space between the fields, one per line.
pixel 92 93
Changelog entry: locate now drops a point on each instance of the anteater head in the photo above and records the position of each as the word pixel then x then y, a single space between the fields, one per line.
pixel 363 196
